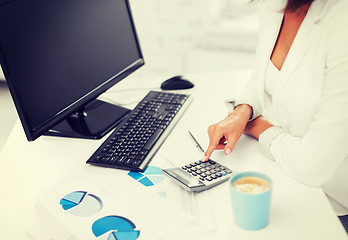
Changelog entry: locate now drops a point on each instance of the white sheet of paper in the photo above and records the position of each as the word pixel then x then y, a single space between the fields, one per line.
pixel 245 147
pixel 121 196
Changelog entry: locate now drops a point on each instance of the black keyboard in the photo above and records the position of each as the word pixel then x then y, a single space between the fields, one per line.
pixel 137 138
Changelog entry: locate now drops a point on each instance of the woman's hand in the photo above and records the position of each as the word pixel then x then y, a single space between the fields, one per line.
pixel 256 127
pixel 225 134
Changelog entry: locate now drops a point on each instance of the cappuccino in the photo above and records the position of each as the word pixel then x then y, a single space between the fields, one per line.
pixel 251 184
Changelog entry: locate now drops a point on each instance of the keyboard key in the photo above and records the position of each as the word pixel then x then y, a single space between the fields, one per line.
pixel 120 160
pixel 136 163
pixel 127 162
pixel 153 139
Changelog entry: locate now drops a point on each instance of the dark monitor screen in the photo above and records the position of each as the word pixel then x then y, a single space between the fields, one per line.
pixel 58 56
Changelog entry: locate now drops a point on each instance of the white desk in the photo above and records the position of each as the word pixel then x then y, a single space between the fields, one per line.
pixel 29 169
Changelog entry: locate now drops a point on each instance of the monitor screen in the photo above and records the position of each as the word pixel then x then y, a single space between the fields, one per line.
pixel 59 56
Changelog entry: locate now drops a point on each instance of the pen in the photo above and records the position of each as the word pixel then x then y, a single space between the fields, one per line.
pixel 194 139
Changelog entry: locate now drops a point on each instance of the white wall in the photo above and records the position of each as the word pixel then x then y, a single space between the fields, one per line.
pixel 181 36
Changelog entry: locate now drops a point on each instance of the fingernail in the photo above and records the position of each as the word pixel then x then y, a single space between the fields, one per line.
pixel 228 151
pixel 204 158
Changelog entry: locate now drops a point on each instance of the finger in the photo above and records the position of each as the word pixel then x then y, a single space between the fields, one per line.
pixel 214 142
pixel 209 151
pixel 220 146
pixel 229 146
pixel 214 146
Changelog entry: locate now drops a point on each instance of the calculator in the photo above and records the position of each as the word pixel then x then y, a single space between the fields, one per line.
pixel 199 176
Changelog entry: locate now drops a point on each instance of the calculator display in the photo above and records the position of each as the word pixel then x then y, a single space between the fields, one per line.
pixel 185 178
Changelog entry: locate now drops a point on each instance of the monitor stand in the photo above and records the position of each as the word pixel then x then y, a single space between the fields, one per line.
pixel 94 121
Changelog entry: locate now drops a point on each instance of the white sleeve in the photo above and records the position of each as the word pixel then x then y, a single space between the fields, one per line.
pixel 249 97
pixel 266 138
pixel 314 158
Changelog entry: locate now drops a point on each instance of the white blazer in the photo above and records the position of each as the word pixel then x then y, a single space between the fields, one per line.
pixel 311 100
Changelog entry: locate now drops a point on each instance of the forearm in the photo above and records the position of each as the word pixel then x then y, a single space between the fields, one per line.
pixel 256 127
pixel 242 112
pixel 313 158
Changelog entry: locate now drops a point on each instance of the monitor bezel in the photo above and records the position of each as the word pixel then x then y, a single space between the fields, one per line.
pixel 33 133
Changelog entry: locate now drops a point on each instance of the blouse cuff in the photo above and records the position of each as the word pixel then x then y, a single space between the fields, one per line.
pixel 232 103
pixel 266 138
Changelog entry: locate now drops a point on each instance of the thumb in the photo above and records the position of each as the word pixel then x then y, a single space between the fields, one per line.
pixel 230 145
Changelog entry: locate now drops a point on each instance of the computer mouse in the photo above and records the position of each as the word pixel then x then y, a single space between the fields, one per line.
pixel 176 83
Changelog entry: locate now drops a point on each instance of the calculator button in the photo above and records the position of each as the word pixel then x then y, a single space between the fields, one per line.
pixel 203 175
pixel 223 173
pixel 209 179
pixel 194 174
pixel 198 171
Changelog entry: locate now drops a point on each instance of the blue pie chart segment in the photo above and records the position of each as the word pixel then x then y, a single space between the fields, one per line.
pixel 67 205
pixel 81 204
pixel 121 228
pixel 151 170
pixel 151 176
pixel 75 197
pixel 146 182
pixel 157 179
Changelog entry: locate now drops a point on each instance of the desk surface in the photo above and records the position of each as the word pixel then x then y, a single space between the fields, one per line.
pixel 29 169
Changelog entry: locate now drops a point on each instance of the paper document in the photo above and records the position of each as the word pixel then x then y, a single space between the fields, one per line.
pixel 245 147
pixel 197 205
pixel 115 206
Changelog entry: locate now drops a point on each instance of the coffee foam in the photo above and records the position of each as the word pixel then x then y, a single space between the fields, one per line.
pixel 251 184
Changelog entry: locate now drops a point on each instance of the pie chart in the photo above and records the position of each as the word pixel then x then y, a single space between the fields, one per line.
pixel 115 228
pixel 151 176
pixel 81 204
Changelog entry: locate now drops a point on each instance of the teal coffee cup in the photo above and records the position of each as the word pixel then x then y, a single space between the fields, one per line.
pixel 251 199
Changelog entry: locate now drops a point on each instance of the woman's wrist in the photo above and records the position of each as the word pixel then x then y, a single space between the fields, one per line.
pixel 257 126
pixel 242 112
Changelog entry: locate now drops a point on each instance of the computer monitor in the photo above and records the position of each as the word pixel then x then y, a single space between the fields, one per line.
pixel 59 56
